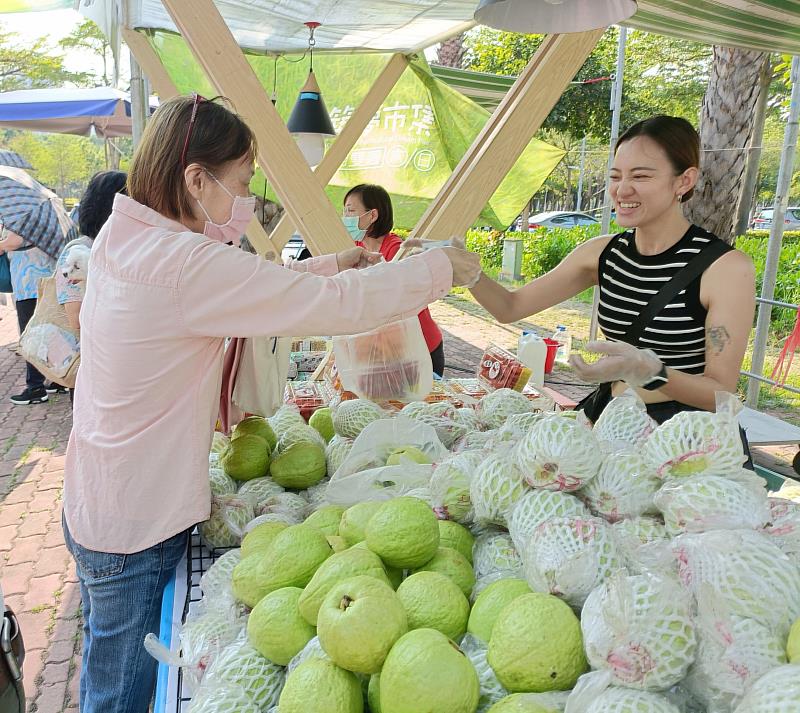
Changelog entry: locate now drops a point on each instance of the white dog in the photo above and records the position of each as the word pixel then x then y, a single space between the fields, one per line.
pixel 76 263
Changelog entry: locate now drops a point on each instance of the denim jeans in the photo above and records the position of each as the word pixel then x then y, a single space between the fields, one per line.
pixel 121 600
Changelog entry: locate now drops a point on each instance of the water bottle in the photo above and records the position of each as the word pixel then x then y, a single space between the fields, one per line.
pixel 532 352
pixel 564 339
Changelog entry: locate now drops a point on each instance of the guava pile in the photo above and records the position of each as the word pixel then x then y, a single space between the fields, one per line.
pixel 545 566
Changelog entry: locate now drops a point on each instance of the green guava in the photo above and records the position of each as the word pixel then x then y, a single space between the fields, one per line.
pixel 320 686
pixel 793 643
pixel 276 629
pixel 246 457
pixel 434 601
pixel 354 521
pixel 374 693
pixel 519 703
pixel 301 465
pixel 255 426
pixel 454 565
pixel 403 532
pixel 337 542
pixel 290 561
pixel 326 519
pixel 490 602
pixel 398 456
pixel 261 537
pixel 359 621
pixel 451 534
pixel 425 671
pixel 221 483
pixel 338 567
pixel 322 420
pixel 240 664
pixel 536 645
pixel 352 417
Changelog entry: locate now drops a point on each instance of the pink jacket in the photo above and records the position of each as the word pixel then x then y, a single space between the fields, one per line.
pixel 159 302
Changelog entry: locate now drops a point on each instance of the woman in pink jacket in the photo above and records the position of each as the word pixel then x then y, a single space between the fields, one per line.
pixel 166 289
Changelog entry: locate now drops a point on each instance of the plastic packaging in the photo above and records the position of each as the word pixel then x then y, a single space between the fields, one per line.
pixel 532 352
pixel 499 369
pixel 391 362
pixel 564 339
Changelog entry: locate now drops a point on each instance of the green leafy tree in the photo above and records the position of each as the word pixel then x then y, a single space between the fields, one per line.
pixel 89 37
pixel 34 65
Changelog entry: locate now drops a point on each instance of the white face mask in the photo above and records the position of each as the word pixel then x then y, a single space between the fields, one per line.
pixel 241 214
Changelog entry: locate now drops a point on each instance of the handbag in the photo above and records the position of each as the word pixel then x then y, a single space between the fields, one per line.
pixel 12 654
pixel 49 342
pixel 5 274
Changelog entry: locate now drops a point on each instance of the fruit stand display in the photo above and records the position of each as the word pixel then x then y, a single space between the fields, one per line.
pixel 478 553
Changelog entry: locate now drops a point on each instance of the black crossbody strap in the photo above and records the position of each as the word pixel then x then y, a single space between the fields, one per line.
pixel 680 281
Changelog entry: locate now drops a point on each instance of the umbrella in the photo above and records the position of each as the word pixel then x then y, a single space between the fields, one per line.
pixel 12 158
pixel 34 212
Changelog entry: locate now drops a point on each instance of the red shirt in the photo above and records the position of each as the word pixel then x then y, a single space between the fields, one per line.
pixel 433 336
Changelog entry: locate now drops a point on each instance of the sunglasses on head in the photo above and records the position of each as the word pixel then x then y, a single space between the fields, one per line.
pixel 195 104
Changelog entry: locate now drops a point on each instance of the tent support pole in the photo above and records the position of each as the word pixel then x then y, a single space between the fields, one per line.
pixel 139 102
pixel 147 58
pixel 349 135
pixel 775 236
pixel 301 194
pixel 506 134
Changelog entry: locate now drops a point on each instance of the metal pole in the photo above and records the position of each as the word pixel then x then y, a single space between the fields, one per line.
pixel 775 236
pixel 616 104
pixel 579 201
pixel 139 101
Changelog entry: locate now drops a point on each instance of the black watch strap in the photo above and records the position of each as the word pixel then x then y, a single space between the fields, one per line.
pixel 658 380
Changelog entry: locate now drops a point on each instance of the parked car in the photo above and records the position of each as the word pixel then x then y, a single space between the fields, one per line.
pixel 763 219
pixel 558 219
pixel 295 249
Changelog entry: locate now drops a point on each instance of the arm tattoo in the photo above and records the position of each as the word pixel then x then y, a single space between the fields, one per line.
pixel 718 338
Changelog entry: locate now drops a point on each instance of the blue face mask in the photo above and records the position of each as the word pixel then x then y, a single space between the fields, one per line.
pixel 351 224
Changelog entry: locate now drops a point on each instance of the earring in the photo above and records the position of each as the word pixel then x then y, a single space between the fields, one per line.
pixel 679 197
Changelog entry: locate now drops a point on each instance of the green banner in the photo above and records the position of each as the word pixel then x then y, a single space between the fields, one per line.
pixel 35 5
pixel 410 146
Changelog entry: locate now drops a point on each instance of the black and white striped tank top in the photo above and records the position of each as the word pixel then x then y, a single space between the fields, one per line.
pixel 628 280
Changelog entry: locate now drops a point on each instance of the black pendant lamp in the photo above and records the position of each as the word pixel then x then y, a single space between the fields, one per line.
pixel 552 16
pixel 309 121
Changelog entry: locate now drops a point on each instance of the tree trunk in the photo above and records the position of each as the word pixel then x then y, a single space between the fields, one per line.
pixel 747 198
pixel 450 53
pixel 726 125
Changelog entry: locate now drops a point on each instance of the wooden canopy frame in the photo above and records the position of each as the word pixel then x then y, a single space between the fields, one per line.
pixel 301 191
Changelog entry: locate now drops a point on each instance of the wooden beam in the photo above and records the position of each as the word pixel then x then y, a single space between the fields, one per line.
pixel 155 71
pixel 299 191
pixel 506 134
pixel 349 135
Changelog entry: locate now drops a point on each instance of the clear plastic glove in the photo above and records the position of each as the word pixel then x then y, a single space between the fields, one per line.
pixel 356 257
pixel 621 362
pixel 466 266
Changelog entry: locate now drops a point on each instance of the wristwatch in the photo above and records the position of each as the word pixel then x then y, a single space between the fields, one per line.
pixel 658 380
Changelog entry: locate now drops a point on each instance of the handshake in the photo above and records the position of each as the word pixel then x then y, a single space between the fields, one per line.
pixel 466 265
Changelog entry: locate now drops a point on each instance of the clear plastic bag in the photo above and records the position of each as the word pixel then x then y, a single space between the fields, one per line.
pixel 391 362
pixel 229 516
pixel 364 476
pixel 625 420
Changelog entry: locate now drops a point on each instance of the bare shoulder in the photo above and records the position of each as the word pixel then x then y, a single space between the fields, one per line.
pixel 732 265
pixel 590 250
pixel 732 276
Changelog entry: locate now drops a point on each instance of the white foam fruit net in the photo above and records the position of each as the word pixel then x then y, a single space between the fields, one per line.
pixel 491 690
pixel 537 506
pixel 777 691
pixel 496 486
pixel 316 496
pixel 732 653
pixel 440 416
pixel 743 571
pixel 336 451
pixel 285 417
pixel 494 554
pixel 623 487
pixel 217 580
pixel 624 420
pixel 639 628
pixel 696 443
pixel 241 665
pixel 221 483
pixel 312 650
pixel 229 515
pixel 627 700
pixel 635 537
pixel 497 406
pixel 351 417
pixel 258 490
pixel 222 698
pixel 299 433
pixel 559 453
pixel 449 486
pixel 710 502
pixel 290 505
pixel 569 557
pixel 784 526
pixel 203 638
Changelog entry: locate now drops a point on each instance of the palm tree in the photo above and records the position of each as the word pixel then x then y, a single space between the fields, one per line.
pixel 726 124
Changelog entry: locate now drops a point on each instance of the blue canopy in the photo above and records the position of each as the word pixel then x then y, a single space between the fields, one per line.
pixel 105 110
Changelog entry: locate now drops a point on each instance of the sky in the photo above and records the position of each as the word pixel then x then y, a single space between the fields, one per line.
pixel 55 25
